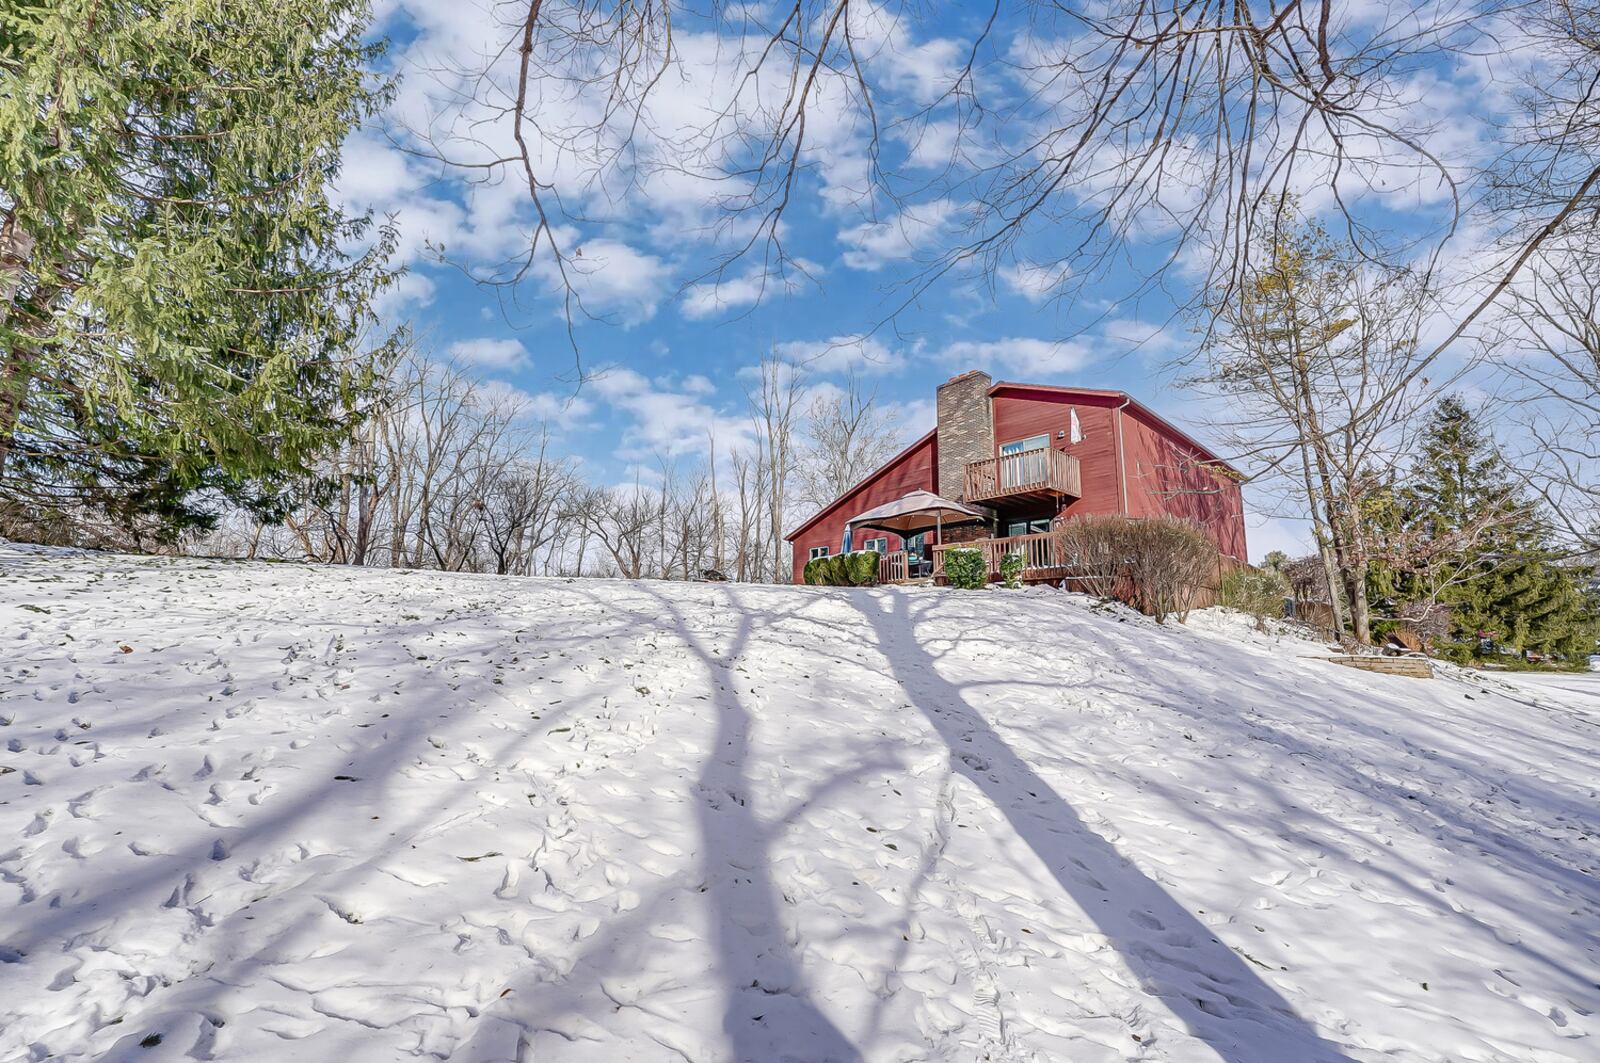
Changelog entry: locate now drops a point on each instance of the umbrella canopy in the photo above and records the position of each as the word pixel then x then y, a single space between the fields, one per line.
pixel 916 512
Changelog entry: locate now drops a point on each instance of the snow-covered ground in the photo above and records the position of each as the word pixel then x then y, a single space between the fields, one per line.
pixel 283 813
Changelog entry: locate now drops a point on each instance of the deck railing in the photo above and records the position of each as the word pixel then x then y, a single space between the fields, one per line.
pixel 1044 470
pixel 1041 554
pixel 892 567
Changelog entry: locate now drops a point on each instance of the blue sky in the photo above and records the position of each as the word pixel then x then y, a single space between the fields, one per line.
pixel 666 364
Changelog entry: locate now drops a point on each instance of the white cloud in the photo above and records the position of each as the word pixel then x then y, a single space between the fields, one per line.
pixel 923 70
pixel 843 354
pixel 556 409
pixel 1035 283
pixel 669 421
pixel 1038 360
pixel 612 280
pixel 490 353
pixel 915 417
pixel 747 289
pixel 1145 337
pixel 408 293
pixel 873 245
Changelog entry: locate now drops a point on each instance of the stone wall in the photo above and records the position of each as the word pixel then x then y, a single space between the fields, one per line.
pixel 966 429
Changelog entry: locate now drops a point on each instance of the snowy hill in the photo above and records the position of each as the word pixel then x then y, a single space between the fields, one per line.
pixel 270 812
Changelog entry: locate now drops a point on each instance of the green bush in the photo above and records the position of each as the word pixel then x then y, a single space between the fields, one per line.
pixel 964 567
pixel 862 568
pixel 833 571
pixel 856 569
pixel 1011 567
pixel 812 573
pixel 1257 591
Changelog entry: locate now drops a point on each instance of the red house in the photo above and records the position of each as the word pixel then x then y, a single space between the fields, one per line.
pixel 1018 458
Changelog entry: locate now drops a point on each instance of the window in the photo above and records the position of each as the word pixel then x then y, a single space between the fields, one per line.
pixel 1028 527
pixel 1028 463
pixel 1017 446
pixel 818 551
pixel 881 545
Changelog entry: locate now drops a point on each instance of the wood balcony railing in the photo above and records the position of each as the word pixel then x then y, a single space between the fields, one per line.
pixel 1042 473
pixel 1041 554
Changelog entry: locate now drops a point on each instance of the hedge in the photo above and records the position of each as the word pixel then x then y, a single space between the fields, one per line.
pixel 859 568
pixel 1257 591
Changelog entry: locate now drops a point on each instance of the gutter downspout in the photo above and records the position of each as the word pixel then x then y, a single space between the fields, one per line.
pixel 1122 458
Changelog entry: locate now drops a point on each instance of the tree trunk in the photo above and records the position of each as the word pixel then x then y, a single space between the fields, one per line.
pixel 1360 611
pixel 16 247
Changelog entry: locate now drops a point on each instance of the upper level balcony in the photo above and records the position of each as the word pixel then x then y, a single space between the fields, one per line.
pixel 1027 476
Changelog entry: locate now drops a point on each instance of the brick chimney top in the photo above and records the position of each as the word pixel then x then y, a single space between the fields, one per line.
pixel 963 376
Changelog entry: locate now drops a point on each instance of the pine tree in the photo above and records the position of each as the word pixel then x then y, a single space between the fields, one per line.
pixel 1460 483
pixel 1530 605
pixel 1484 550
pixel 182 318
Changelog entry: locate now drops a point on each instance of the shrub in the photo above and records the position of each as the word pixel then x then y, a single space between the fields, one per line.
pixel 1169 561
pixel 834 573
pixel 1155 565
pixel 965 567
pixel 812 573
pixel 861 568
pixel 1095 550
pixel 856 569
pixel 1011 567
pixel 1257 591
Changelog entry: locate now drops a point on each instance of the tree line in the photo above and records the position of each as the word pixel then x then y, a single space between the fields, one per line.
pixel 451 473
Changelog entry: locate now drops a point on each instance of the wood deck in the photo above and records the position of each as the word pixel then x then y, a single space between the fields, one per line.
pixel 1040 552
pixel 1030 476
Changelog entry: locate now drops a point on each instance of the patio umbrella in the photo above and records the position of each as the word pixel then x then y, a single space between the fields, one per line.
pixel 916 512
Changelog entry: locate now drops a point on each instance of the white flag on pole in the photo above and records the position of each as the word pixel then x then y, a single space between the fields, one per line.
pixel 1076 431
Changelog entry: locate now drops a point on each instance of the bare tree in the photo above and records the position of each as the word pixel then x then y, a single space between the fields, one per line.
pixel 1316 358
pixel 847 435
pixel 523 507
pixel 621 520
pixel 453 474
pixel 1550 351
pixel 750 535
pixel 774 410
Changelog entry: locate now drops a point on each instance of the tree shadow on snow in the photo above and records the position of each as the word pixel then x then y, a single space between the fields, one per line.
pixel 769 1012
pixel 1204 983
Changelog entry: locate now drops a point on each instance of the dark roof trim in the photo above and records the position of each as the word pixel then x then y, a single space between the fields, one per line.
pixel 831 506
pixel 1206 452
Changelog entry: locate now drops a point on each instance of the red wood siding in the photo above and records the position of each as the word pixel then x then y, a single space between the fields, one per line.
pixel 1167 476
pixel 1020 413
pixel 914 469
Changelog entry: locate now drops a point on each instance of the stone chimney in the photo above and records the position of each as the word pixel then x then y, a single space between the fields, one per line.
pixel 966 429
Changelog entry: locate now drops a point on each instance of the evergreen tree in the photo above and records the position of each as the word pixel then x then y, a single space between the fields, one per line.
pixel 1481 549
pixel 1530 605
pixel 1461 484
pixel 182 316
